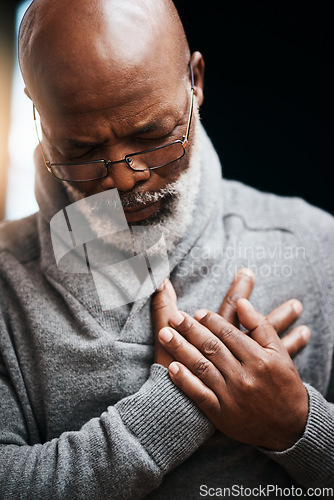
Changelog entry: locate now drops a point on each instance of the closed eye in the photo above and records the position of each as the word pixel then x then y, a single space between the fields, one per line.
pixel 143 140
pixel 159 139
pixel 83 156
pixel 146 141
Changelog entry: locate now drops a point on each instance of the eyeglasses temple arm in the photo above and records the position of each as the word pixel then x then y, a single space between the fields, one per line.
pixel 39 141
pixel 185 141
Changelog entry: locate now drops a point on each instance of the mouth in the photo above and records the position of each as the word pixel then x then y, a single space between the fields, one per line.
pixel 135 214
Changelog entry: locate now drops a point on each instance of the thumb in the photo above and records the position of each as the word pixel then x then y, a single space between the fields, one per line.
pixel 164 304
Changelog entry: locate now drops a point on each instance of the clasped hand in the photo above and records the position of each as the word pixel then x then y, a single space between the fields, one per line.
pixel 246 383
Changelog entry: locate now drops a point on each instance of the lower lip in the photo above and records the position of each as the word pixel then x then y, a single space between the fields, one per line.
pixel 143 213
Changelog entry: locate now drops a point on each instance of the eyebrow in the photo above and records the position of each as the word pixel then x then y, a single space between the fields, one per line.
pixel 70 142
pixel 152 126
pixel 149 127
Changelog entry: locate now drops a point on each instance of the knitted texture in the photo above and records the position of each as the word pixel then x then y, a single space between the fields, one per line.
pixel 86 414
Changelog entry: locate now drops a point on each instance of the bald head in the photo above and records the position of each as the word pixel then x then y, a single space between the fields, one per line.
pixel 67 48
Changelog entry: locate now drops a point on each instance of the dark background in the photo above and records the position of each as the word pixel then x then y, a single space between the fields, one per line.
pixel 268 92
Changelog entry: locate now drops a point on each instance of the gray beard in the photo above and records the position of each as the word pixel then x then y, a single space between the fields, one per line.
pixel 170 221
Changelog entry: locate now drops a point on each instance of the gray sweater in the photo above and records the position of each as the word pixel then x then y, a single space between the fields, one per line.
pixel 85 414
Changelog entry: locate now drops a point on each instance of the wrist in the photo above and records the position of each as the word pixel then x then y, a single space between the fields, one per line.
pixel 293 427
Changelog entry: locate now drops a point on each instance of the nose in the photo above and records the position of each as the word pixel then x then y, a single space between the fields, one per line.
pixel 123 178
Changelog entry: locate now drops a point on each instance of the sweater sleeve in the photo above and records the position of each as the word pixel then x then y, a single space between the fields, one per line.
pixel 310 462
pixel 122 454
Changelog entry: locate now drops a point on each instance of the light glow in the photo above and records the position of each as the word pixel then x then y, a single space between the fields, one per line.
pixel 21 200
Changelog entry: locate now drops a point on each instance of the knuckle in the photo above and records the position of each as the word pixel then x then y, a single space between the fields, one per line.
pixel 225 332
pixel 159 304
pixel 268 365
pixel 219 326
pixel 211 347
pixel 249 384
pixel 187 327
pixel 201 366
pixel 263 365
pixel 243 383
pixel 232 299
pixel 264 323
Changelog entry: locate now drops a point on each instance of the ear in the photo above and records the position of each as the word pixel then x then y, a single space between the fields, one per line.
pixel 198 66
pixel 26 91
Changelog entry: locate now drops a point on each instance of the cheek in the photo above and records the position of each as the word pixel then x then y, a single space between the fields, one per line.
pixel 172 172
pixel 77 190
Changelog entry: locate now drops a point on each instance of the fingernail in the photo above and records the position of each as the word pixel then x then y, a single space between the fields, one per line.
pixel 176 318
pixel 305 332
pixel 174 368
pixel 297 306
pixel 245 271
pixel 166 334
pixel 247 304
pixel 162 285
pixel 200 314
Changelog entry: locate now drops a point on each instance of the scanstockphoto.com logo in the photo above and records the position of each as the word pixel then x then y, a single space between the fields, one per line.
pixel 123 273
pixel 267 491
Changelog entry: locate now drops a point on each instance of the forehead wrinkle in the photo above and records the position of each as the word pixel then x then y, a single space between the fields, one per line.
pixel 105 131
pixel 133 86
pixel 158 115
pixel 136 112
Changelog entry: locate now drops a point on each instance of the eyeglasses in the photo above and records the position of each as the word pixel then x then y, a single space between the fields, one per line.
pixel 141 161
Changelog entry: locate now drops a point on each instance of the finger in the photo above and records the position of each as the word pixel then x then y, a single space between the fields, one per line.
pixel 239 344
pixel 260 328
pixel 285 314
pixel 190 356
pixel 295 340
pixel 205 339
pixel 164 304
pixel 242 286
pixel 194 388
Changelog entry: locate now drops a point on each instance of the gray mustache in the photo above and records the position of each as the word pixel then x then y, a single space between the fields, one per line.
pixel 136 198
